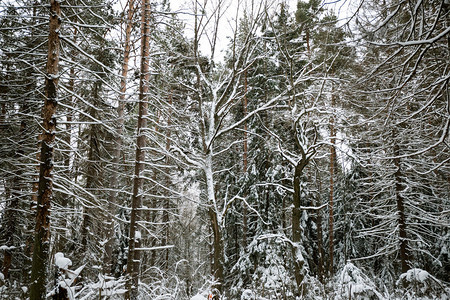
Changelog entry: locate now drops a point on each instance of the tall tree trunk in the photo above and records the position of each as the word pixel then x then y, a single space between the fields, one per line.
pixel 296 228
pixel 214 216
pixel 404 253
pixel 45 189
pixel 151 217
pixel 92 178
pixel 245 163
pixel 166 202
pixel 69 117
pixel 133 263
pixel 107 261
pixel 331 195
pixel 218 252
pixel 319 233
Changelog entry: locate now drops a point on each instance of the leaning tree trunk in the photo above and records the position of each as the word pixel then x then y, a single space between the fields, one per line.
pixel 133 262
pixel 45 187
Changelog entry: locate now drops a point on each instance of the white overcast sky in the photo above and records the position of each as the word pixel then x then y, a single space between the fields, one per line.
pixel 227 23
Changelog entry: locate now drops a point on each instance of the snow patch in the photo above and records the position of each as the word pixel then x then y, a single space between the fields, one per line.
pixel 355 283
pixel 138 235
pixel 415 274
pixel 61 261
pixel 419 284
pixel 248 295
pixel 6 248
pixel 199 297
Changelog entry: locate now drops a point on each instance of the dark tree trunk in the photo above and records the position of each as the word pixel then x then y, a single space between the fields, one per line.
pixel 296 228
pixel 217 269
pixel 108 259
pixel 45 186
pixel 92 178
pixel 331 195
pixel 134 256
pixel 245 162
pixel 166 202
pixel 404 253
pixel 320 237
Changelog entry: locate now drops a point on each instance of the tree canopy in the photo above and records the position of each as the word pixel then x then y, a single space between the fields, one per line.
pixel 308 159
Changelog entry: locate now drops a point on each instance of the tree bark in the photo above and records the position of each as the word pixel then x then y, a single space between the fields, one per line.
pixel 45 186
pixel 166 202
pixel 331 195
pixel 107 266
pixel 218 252
pixel 404 253
pixel 319 243
pixel 133 263
pixel 92 178
pixel 245 163
pixel 214 216
pixel 296 228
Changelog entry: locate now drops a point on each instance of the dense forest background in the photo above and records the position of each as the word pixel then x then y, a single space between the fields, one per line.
pixel 312 161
